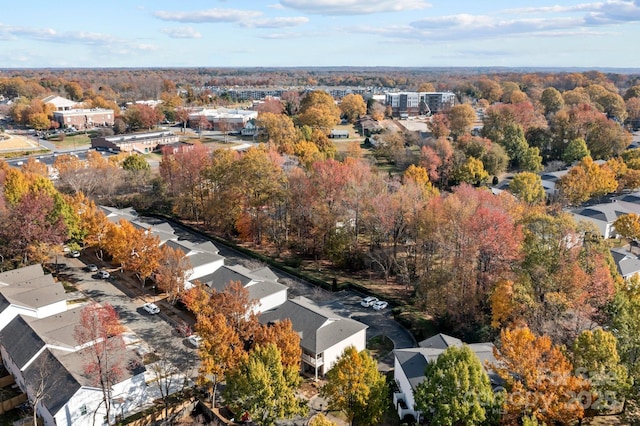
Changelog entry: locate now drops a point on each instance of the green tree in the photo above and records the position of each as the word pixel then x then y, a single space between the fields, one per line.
pixel 528 187
pixel 531 161
pixel 259 386
pixel 514 142
pixel 457 391
pixel 552 101
pixel 355 387
pixel 595 357
pixel 576 150
pixel 135 162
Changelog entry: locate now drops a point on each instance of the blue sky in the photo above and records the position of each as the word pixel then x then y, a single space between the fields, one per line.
pixel 285 33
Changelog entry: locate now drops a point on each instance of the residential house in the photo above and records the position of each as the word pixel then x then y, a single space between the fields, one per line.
pixel 628 263
pixel 603 215
pixel 323 335
pixel 410 364
pixel 262 284
pixel 44 353
pixel 143 143
pixel 29 291
pixel 203 257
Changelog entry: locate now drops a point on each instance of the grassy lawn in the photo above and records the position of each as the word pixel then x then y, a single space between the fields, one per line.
pixel 74 141
pixel 379 346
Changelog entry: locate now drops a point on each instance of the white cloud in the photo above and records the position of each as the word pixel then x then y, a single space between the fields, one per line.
pixel 183 32
pixel 275 22
pixel 353 7
pixel 210 15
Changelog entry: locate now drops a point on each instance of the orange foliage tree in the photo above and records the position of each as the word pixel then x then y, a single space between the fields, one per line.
pixel 539 379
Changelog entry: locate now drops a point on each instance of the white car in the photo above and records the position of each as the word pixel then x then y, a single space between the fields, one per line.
pixel 369 301
pixel 74 253
pixel 194 340
pixel 380 305
pixel 151 308
pixel 103 275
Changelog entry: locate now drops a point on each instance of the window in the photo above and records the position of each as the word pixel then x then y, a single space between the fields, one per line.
pixel 83 410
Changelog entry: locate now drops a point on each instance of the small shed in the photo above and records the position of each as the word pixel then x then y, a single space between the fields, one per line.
pixel 339 134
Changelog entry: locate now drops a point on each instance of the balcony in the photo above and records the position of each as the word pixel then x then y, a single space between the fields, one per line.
pixel 314 361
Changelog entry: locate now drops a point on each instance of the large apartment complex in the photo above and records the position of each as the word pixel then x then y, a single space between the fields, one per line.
pixel 418 103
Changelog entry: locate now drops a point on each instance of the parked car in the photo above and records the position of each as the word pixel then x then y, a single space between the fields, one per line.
pixel 91 268
pixel 380 305
pixel 369 301
pixel 104 275
pixel 74 253
pixel 151 308
pixel 194 340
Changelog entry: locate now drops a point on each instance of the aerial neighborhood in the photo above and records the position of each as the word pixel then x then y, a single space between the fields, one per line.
pixel 352 246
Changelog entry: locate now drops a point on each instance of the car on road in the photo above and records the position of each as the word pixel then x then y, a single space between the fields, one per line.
pixel 74 253
pixel 194 340
pixel 104 275
pixel 151 308
pixel 380 305
pixel 369 301
pixel 91 268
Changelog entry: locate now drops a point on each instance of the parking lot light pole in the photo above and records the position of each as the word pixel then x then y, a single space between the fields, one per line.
pixel 154 293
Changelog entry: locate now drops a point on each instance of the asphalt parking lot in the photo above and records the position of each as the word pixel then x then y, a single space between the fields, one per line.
pixel 155 330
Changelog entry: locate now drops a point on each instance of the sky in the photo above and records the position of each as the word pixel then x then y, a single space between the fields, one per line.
pixel 305 33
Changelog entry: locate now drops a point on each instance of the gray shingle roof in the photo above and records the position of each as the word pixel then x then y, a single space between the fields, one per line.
pixel 20 341
pixel 627 263
pixel 413 361
pixel 60 384
pixel 57 329
pixel 223 276
pixel 34 292
pixel 319 329
pixel 21 274
pixel 440 341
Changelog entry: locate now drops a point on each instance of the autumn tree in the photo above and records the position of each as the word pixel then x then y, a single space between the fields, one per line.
pixel 321 420
pixel 260 387
pixel 355 387
pixel 628 225
pixel 457 390
pixel 461 119
pixel 472 172
pixel 439 126
pixel 596 359
pixel 104 356
pixel 539 378
pixel 587 180
pixel 29 224
pixel 174 268
pixel 279 130
pixel 527 187
pixel 227 325
pixel 318 109
pixel 353 107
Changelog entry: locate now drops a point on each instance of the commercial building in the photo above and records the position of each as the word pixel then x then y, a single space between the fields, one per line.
pixel 419 103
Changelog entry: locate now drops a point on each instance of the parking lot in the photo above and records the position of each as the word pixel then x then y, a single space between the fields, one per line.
pixel 156 332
